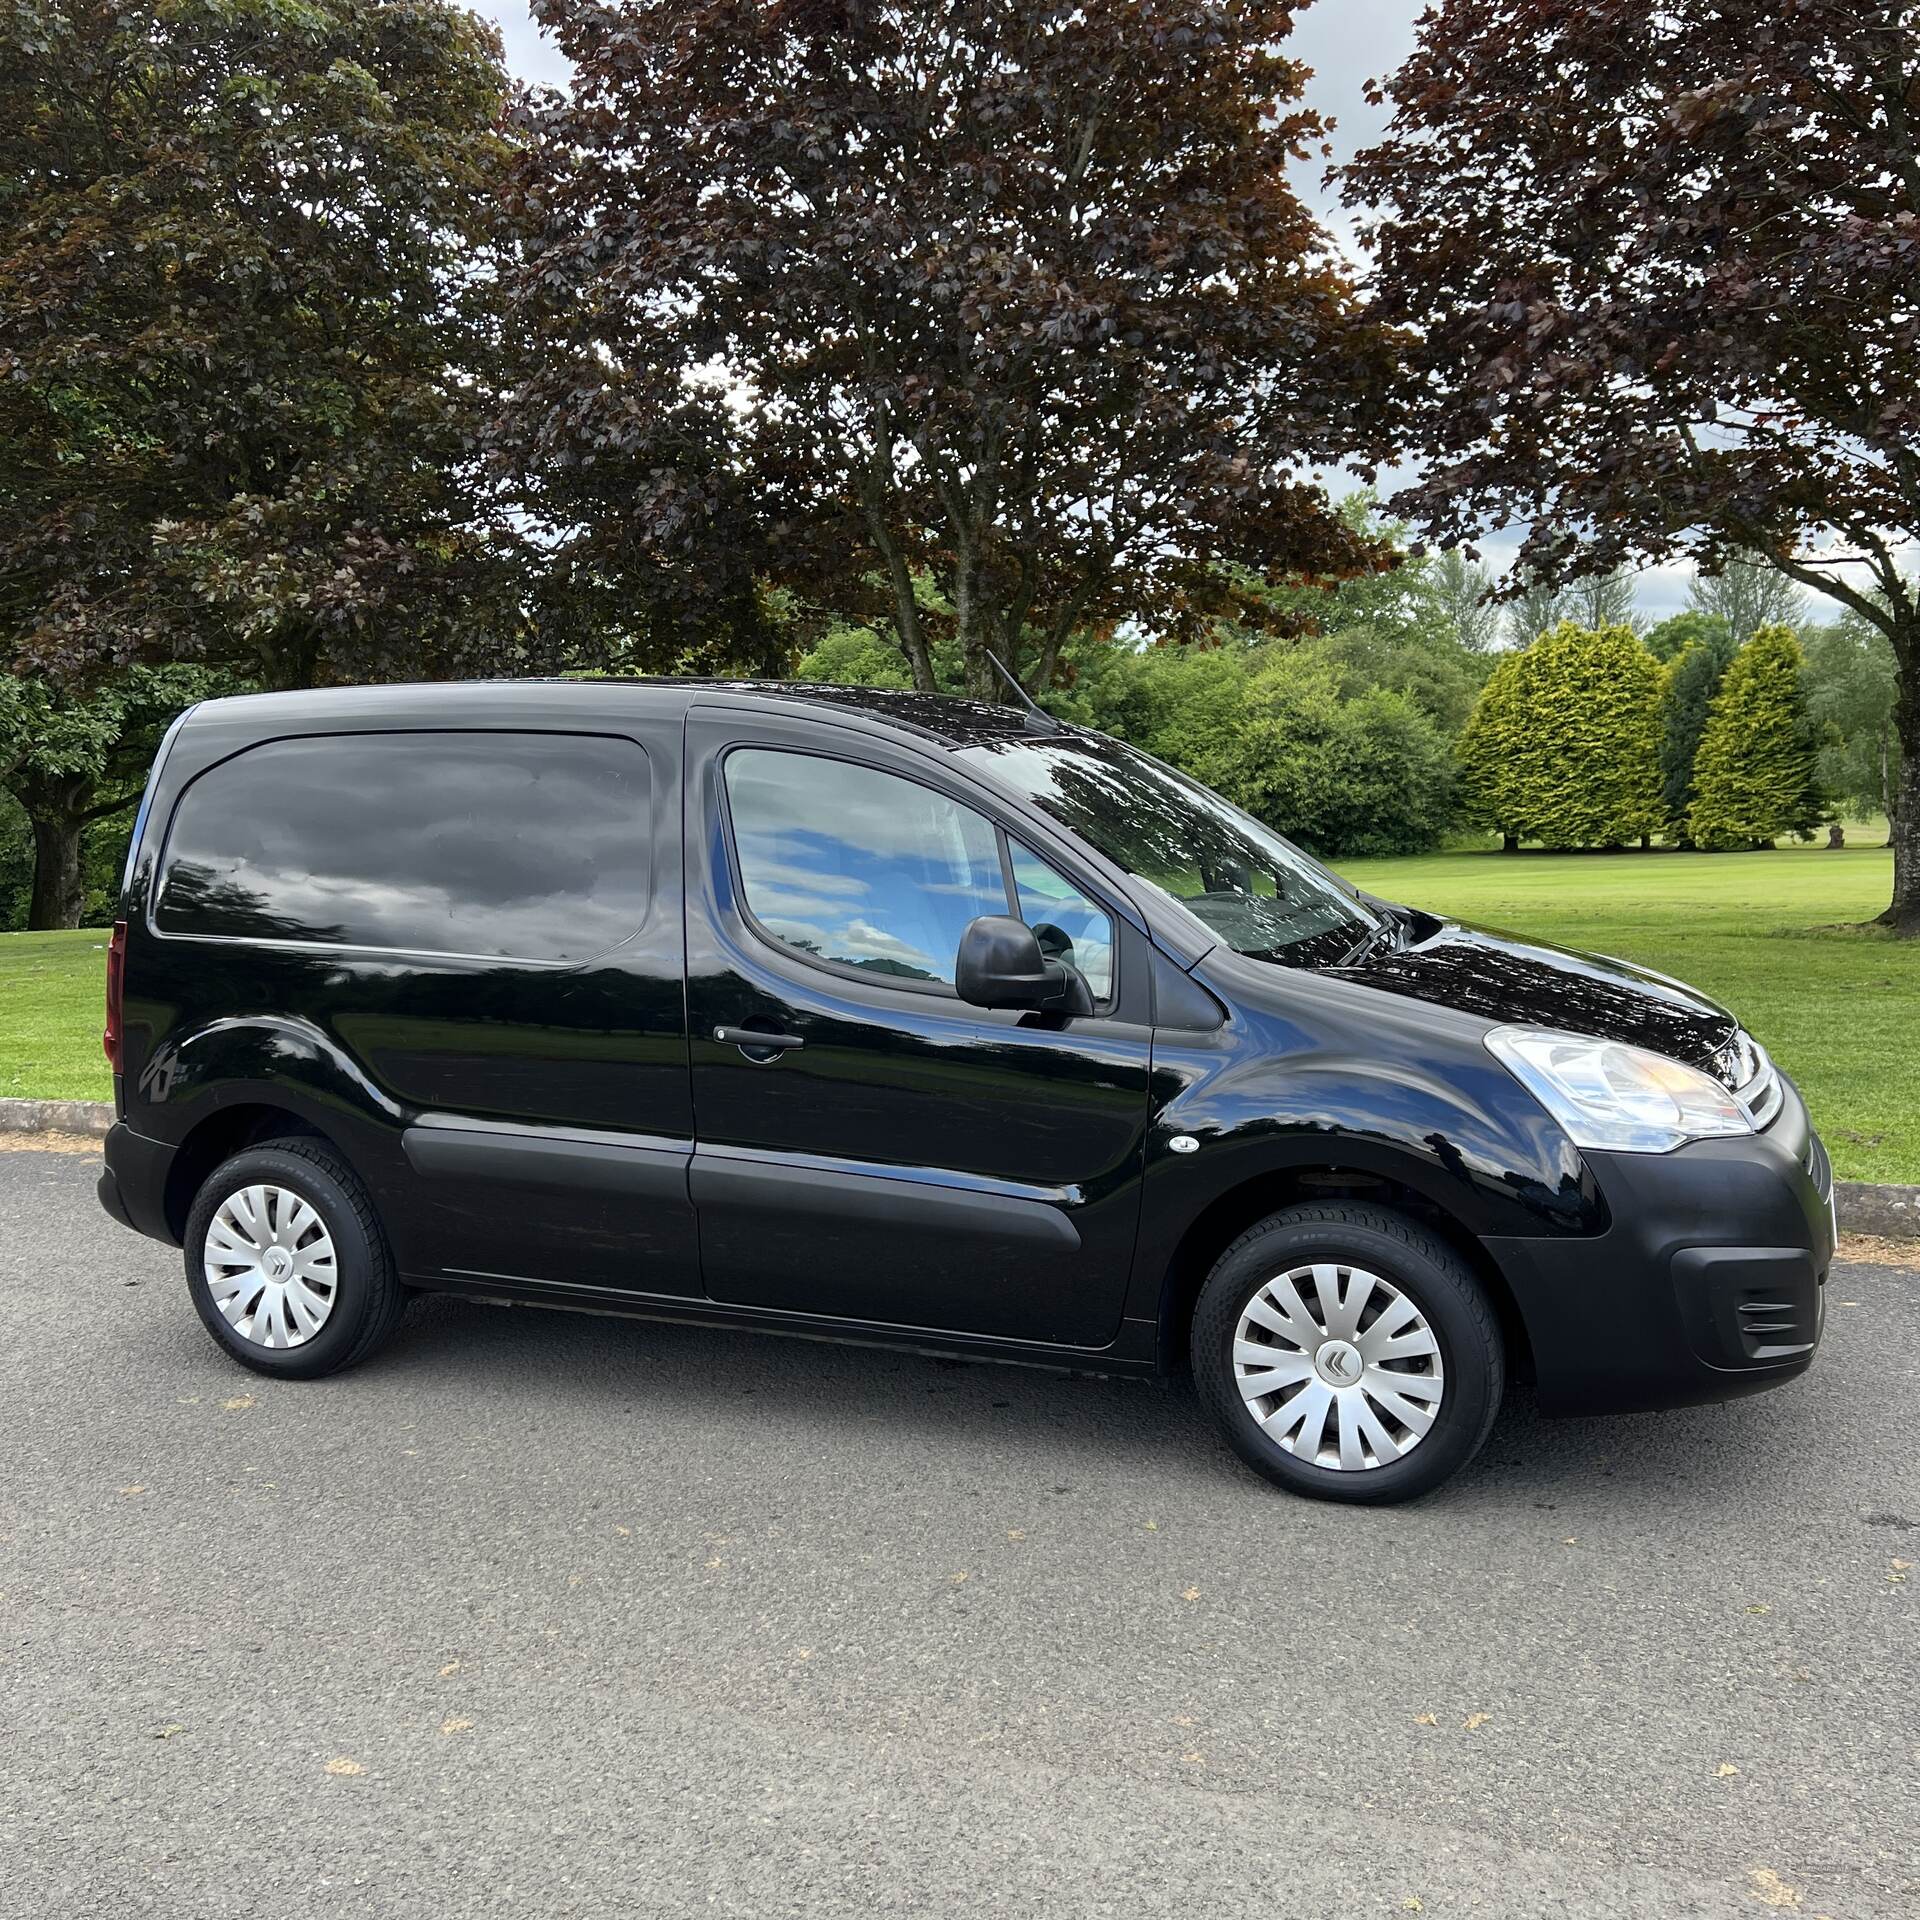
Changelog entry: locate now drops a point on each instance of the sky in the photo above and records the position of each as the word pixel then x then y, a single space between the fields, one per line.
pixel 1346 43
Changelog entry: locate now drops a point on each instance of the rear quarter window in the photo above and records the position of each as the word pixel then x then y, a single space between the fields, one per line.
pixel 527 846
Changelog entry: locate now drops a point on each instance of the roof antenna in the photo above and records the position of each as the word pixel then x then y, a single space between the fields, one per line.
pixel 1039 720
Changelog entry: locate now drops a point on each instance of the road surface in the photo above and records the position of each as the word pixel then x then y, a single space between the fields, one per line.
pixel 549 1614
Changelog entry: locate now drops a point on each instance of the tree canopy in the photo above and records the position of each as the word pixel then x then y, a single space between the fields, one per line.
pixel 1668 639
pixel 1463 596
pixel 1746 595
pixel 1851 687
pixel 71 758
pixel 1692 682
pixel 248 324
pixel 1345 766
pixel 1660 274
pixel 1013 293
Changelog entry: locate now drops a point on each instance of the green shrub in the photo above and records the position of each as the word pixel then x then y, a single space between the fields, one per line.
pixel 1563 745
pixel 1488 753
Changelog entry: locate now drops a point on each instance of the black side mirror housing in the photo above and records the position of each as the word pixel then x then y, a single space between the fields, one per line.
pixel 1001 964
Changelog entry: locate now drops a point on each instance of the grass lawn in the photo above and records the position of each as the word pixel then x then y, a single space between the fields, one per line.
pixel 1768 933
pixel 53 992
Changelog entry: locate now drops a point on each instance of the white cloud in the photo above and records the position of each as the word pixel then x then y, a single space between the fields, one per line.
pixel 761 852
pixel 862 940
pixel 788 903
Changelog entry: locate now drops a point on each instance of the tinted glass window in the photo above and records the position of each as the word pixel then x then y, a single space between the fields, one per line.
pixel 1245 884
pixel 858 866
pixel 1047 899
pixel 526 845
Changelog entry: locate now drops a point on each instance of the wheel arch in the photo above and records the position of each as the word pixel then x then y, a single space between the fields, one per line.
pixel 218 1137
pixel 1231 1213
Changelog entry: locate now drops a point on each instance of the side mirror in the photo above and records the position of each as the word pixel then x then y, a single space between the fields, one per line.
pixel 1000 964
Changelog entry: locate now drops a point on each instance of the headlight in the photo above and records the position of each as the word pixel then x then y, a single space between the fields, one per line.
pixel 1609 1095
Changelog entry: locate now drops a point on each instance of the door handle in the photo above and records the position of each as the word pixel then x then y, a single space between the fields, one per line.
pixel 751 1040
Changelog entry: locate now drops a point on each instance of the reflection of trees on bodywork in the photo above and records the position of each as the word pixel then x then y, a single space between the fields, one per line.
pixel 1479 971
pixel 526 845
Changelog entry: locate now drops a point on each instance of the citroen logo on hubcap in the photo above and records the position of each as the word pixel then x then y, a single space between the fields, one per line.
pixel 277 1263
pixel 1338 1363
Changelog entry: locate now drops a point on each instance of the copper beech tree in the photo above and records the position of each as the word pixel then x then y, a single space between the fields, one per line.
pixel 248 333
pixel 1011 297
pixel 1662 265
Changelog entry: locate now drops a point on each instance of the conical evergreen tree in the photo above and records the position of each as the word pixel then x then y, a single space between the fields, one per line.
pixel 1756 774
pixel 1488 751
pixel 1564 745
pixel 1691 684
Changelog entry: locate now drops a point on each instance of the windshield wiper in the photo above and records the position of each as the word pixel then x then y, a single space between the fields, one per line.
pixel 1371 939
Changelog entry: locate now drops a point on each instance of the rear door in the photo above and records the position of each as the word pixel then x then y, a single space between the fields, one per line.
pixel 869 1147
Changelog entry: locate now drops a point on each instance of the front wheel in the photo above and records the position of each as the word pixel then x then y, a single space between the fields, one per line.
pixel 1347 1354
pixel 286 1262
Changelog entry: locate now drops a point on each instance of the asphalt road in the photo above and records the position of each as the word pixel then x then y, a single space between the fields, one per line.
pixel 549 1614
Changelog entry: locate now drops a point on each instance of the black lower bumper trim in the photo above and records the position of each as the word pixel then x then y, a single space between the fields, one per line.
pixel 133 1189
pixel 108 1190
pixel 1709 1284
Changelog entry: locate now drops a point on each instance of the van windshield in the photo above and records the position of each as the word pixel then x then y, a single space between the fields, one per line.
pixel 1249 888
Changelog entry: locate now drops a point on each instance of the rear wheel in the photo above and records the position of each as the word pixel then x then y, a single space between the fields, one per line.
pixel 1347 1354
pixel 286 1262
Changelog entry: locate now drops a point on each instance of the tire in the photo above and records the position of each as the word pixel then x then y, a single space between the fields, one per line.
pixel 364 1299
pixel 1456 1385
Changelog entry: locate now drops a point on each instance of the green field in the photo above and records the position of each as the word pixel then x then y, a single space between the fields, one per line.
pixel 1774 935
pixel 52 1004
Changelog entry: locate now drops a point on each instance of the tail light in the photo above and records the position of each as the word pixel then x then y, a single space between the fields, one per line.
pixel 116 983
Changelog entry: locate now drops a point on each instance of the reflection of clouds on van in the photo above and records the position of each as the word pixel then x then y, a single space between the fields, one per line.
pixel 522 845
pixel 871 870
pixel 860 867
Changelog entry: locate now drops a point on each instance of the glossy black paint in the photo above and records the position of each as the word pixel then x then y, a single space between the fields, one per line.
pixel 1476 970
pixel 1647 1313
pixel 892 1163
pixel 365 1045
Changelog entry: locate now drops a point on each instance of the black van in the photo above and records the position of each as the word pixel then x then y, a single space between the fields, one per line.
pixel 926 1022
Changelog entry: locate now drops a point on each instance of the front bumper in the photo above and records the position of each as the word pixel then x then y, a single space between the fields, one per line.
pixel 1709 1284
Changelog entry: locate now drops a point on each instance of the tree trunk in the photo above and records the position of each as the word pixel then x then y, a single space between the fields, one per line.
pixel 973 627
pixel 286 661
pixel 983 683
pixel 1509 843
pixel 1903 823
pixel 56 807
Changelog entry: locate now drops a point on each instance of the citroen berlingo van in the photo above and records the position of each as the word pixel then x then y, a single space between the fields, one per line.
pixel 923 1022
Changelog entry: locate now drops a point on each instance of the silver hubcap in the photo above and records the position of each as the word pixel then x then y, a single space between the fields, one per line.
pixel 270 1266
pixel 1338 1366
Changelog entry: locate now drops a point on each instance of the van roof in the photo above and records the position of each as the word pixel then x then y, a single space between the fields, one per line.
pixel 950 718
pixel 947 716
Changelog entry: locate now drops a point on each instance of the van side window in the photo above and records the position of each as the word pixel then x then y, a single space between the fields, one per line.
pixel 860 867
pixel 530 846
pixel 1049 899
